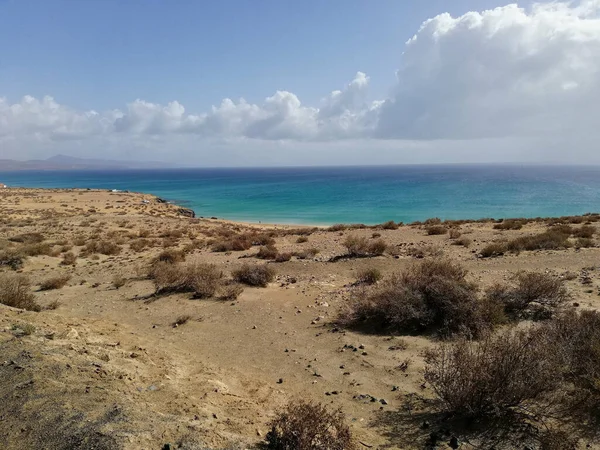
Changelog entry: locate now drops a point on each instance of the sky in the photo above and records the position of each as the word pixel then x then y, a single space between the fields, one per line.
pixel 275 83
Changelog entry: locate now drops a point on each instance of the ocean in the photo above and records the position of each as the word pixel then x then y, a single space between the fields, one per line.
pixel 369 195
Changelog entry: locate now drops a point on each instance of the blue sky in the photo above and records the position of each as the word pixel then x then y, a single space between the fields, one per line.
pixel 102 53
pixel 317 77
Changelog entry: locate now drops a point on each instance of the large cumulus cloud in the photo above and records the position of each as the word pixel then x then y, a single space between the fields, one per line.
pixel 502 73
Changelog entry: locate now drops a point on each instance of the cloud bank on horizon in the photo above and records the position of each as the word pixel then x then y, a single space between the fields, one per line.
pixel 510 75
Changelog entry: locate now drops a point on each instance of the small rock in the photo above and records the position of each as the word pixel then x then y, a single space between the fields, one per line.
pixel 280 381
pixel 383 402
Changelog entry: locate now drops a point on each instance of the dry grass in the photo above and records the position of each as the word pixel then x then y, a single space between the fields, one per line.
pixel 11 258
pixel 309 426
pixel 307 253
pixel 103 247
pixel 254 275
pixel 15 291
pixel 54 282
pixel 171 256
pixel 69 259
pixel 267 252
pixel 436 230
pixel 229 291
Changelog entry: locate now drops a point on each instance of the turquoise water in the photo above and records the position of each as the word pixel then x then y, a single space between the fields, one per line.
pixel 351 194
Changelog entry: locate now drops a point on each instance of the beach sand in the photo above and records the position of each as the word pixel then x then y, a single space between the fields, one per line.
pixel 108 366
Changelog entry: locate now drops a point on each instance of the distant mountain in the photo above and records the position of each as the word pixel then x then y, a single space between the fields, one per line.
pixel 64 162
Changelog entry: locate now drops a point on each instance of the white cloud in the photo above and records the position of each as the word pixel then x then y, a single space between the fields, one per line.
pixel 504 73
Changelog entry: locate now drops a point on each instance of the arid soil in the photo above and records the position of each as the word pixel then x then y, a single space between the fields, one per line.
pixel 104 366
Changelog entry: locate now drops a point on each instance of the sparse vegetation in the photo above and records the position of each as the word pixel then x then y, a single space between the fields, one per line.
pixel 69 259
pixel 301 240
pixel 433 294
pixel 254 275
pixel 267 252
pixel 171 256
pixel 181 320
pixel 202 280
pixel 119 281
pixel 359 247
pixel 532 295
pixel 229 291
pixel 15 291
pixel 309 426
pixel 54 282
pixel 368 276
pixel 104 247
pixel 435 230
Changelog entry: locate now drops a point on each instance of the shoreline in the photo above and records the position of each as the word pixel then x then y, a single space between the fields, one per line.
pixel 185 213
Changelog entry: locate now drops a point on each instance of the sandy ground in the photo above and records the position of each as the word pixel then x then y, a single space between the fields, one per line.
pixel 108 368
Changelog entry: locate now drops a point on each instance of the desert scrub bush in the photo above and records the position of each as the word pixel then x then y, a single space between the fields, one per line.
pixel 432 294
pixel 181 320
pixel 493 249
pixel 531 295
pixel 552 239
pixel 337 227
pixel 368 276
pixel 171 256
pixel 119 281
pixel 54 282
pixel 301 240
pixel 103 247
pixel 454 233
pixel 390 225
pixel 510 224
pixel 436 230
pixel 584 243
pixel 36 249
pixel 309 426
pixel 425 251
pixel 254 275
pixel 585 232
pixel 68 259
pixel 505 373
pixel 139 244
pixel 15 291
pixel 361 247
pixel 236 244
pixel 307 253
pixel 576 336
pixel 202 280
pixel 229 291
pixel 283 257
pixel 28 238
pixel 11 258
pixel 464 241
pixel 267 252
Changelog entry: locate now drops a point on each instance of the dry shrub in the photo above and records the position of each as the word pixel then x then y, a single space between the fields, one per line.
pixel 54 282
pixel 103 247
pixel 337 227
pixel 301 240
pixel 28 238
pixel 464 241
pixel 361 247
pixel 390 225
pixel 531 295
pixel 36 249
pixel 236 244
pixel 493 249
pixel 69 259
pixel 202 280
pixel 584 243
pixel 15 291
pixel 585 232
pixel 229 291
pixel 307 253
pixel 425 251
pixel 11 258
pixel 309 426
pixel 254 275
pixel 171 256
pixel 283 257
pixel 119 281
pixel 79 241
pixel 433 221
pixel 510 224
pixel 454 233
pixel 553 239
pixel 433 294
pixel 436 230
pixel 368 276
pixel 503 374
pixel 267 252
pixel 181 320
pixel 139 244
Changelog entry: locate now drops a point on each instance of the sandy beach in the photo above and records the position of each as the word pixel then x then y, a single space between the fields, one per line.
pixel 103 361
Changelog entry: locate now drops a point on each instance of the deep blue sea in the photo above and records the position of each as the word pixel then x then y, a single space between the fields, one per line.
pixel 327 195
